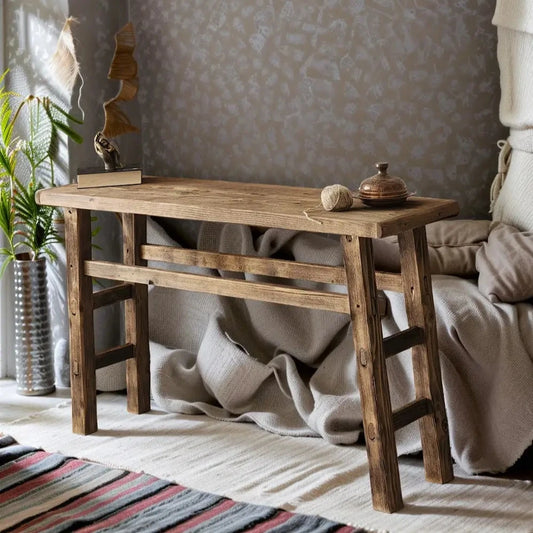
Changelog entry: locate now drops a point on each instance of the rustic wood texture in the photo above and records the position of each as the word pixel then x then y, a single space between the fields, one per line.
pixel 279 207
pixel 262 266
pixel 114 355
pixel 275 206
pixel 419 305
pixel 112 295
pixel 410 412
pixel 136 318
pixel 254 290
pixel 80 307
pixel 398 342
pixel 241 263
pixel 372 375
pixel 389 281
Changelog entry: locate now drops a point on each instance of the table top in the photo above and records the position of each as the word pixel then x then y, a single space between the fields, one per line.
pixel 276 206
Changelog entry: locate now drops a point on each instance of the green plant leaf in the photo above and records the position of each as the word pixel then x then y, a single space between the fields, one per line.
pixel 5 251
pixel 58 115
pixel 7 163
pixel 24 201
pixel 40 232
pixel 26 165
pixel 41 132
pixel 45 173
pixel 65 128
pixel 5 112
pixel 5 119
pixel 64 113
pixel 7 214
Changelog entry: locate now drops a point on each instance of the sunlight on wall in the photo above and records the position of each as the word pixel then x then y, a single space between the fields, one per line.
pixel 31 33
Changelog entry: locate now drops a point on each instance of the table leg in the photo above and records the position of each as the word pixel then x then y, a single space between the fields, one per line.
pixel 136 318
pixel 420 309
pixel 80 304
pixel 372 374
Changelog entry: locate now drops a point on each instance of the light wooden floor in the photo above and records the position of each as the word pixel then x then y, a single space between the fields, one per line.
pixel 14 406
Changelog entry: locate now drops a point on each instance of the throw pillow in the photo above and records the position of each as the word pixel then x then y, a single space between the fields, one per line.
pixel 505 264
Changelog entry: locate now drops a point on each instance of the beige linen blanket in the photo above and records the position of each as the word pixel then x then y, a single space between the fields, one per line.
pixel 292 371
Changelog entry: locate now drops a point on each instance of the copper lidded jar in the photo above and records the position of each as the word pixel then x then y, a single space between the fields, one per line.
pixel 383 189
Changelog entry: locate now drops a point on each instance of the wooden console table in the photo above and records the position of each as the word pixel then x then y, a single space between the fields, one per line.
pixel 265 206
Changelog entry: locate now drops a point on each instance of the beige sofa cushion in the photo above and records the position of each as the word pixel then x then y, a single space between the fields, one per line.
pixel 505 264
pixel 452 246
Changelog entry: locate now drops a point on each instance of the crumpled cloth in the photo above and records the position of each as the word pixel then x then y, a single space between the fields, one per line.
pixel 292 371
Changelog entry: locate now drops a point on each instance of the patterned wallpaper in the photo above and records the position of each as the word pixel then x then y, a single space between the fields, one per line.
pixel 314 92
pixel 99 20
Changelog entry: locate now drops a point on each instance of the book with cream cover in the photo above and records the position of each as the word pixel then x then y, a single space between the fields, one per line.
pixel 99 177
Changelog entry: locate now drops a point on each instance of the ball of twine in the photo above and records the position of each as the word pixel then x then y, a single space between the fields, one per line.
pixel 336 198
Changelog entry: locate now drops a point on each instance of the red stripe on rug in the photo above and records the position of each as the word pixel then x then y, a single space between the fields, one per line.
pixel 276 520
pixel 134 509
pixel 69 466
pixel 214 511
pixel 23 463
pixel 87 498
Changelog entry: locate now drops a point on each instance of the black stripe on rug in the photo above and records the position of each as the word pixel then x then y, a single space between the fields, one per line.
pixel 49 492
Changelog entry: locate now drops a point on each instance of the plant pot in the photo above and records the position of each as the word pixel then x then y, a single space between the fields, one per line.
pixel 33 348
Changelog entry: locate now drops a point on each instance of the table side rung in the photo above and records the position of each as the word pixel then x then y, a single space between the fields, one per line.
pixel 243 263
pixel 114 355
pixel 411 412
pixel 389 281
pixel 398 342
pixel 265 266
pixel 111 295
pixel 267 292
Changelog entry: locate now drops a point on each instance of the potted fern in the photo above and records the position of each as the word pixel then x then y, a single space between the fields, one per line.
pixel 29 131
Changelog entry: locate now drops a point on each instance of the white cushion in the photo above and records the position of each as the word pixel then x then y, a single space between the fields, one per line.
pixel 515 57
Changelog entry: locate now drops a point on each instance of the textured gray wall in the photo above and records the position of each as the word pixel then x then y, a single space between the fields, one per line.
pixel 94 35
pixel 314 92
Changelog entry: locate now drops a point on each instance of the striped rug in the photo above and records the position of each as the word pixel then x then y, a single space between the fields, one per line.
pixel 49 492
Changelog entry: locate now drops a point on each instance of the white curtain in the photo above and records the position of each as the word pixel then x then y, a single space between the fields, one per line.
pixel 514 19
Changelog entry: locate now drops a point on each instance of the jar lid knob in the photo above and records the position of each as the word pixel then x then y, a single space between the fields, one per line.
pixel 382 167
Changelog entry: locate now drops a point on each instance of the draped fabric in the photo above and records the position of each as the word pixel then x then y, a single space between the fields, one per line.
pixel 292 371
pixel 514 19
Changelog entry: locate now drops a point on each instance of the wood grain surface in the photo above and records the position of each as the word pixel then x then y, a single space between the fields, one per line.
pixel 274 206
